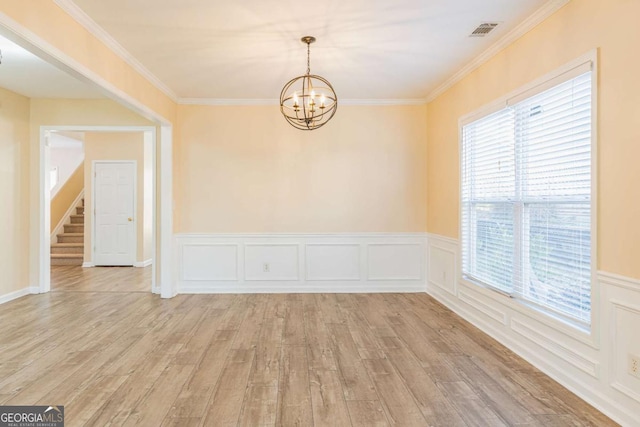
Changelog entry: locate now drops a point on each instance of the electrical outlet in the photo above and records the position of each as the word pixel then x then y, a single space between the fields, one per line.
pixel 634 365
pixel 265 267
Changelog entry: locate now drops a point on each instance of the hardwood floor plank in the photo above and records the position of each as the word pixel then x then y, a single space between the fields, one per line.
pixel 198 390
pixel 225 407
pixel 266 369
pixel 294 324
pixel 435 407
pixel 294 405
pixel 327 399
pixel 367 413
pixel 153 408
pixel 356 382
pixel 117 408
pixel 249 331
pixel 181 422
pixel 470 407
pixel 260 406
pixel 398 403
pixel 319 349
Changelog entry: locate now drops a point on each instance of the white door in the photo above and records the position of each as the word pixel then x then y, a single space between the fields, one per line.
pixel 114 201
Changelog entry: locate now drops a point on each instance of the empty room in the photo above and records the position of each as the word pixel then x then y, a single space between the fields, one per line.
pixel 344 213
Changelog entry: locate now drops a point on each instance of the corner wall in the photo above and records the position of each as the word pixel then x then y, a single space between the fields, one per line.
pixel 594 366
pixel 14 184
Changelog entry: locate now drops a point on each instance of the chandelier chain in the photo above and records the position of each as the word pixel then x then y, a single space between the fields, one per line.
pixel 308 58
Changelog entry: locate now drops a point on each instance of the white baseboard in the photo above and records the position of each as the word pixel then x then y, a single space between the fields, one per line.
pixel 88 265
pixel 15 295
pixel 59 229
pixel 144 263
pixel 593 366
pixel 301 262
pixel 283 288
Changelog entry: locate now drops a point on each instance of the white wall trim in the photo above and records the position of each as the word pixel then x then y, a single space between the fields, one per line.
pixel 97 31
pixel 145 263
pixel 296 235
pixel 344 102
pixel 620 281
pixel 66 218
pixel 15 295
pixel 596 373
pixel 548 9
pixel 88 265
pixel 300 262
pixel 282 288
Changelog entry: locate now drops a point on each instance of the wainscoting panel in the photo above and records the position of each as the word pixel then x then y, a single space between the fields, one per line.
pixel 443 266
pixel 333 262
pixel 395 261
pixel 593 364
pixel 348 262
pixel 209 261
pixel 271 262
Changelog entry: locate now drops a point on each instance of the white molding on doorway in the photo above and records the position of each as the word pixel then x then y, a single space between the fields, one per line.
pixel 135 207
pixel 44 250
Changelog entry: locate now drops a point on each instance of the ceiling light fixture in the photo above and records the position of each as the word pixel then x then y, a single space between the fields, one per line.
pixel 308 101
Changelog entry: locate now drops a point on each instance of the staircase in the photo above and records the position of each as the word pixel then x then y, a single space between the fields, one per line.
pixel 70 247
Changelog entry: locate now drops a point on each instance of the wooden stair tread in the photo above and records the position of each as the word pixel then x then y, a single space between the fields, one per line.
pixel 67 255
pixel 67 245
pixel 71 234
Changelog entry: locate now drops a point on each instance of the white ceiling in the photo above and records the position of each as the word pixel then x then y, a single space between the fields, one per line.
pixel 368 49
pixel 24 73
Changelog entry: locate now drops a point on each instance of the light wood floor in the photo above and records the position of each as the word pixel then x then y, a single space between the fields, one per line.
pixel 123 358
pixel 100 279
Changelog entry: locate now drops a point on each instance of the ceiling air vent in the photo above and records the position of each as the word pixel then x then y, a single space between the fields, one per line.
pixel 483 29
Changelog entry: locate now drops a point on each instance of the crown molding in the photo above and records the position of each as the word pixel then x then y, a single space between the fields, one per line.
pixel 97 31
pixel 249 102
pixel 226 102
pixel 545 11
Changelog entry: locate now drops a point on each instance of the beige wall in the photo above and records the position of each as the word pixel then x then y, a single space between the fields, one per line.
pixel 119 146
pixel 14 183
pixel 63 199
pixel 245 169
pixel 577 28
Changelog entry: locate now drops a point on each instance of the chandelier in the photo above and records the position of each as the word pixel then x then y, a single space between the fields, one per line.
pixel 308 101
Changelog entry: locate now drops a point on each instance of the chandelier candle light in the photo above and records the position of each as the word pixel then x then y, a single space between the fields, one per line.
pixel 308 101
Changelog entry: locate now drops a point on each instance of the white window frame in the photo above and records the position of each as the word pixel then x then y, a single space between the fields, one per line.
pixel 587 333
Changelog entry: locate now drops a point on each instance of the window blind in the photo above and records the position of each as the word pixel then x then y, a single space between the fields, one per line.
pixel 526 198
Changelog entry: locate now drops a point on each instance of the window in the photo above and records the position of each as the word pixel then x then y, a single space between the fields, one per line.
pixel 526 196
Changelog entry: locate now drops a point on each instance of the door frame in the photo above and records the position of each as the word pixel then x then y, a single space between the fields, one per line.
pixel 135 207
pixel 165 289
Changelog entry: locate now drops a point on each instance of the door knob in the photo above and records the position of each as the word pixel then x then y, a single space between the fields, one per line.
pixel 130 219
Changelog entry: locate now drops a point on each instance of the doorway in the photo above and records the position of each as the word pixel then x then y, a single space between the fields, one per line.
pixel 119 230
